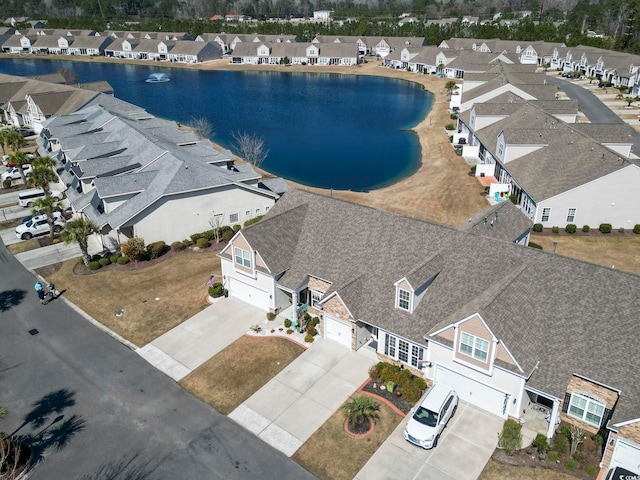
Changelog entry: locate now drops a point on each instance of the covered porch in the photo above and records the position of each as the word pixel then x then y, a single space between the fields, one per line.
pixel 540 415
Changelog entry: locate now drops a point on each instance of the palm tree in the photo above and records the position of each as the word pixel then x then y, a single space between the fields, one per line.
pixel 450 86
pixel 15 139
pixel 359 412
pixel 42 173
pixel 20 159
pixel 79 231
pixel 47 205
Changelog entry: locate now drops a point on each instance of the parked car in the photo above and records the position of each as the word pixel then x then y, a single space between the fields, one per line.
pixel 14 174
pixel 605 85
pixel 26 131
pixel 42 216
pixel 27 197
pixel 39 226
pixel 429 419
pixel 7 163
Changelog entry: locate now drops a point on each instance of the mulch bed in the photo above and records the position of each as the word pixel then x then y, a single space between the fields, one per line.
pixel 398 402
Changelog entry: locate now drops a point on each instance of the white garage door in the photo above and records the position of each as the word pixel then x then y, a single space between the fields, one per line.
pixel 248 293
pixel 626 456
pixel 473 392
pixel 337 331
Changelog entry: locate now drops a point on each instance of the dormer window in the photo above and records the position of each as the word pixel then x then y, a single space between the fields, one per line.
pixel 404 297
pixel 474 347
pixel 242 257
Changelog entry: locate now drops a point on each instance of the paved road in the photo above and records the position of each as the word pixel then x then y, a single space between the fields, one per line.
pixel 107 409
pixel 593 108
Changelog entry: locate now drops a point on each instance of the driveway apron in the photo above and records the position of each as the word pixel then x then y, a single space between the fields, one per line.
pixel 463 450
pixel 302 397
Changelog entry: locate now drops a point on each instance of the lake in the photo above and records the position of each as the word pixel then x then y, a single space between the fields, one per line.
pixel 327 130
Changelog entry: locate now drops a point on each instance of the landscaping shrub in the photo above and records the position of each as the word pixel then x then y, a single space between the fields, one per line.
pixel 316 321
pixel 156 249
pixel 621 230
pixel 590 470
pixel 287 323
pixel 271 316
pixel 123 261
pixel 453 116
pixel 560 444
pixel 565 431
pixel 308 338
pixel 553 456
pixel 636 229
pixel 134 249
pixel 586 228
pixel 187 243
pixel 514 198
pixel 289 331
pixel 104 261
pixel 216 290
pixel 555 229
pixel 236 228
pixel 228 235
pixel 420 383
pixel 114 258
pixel 541 443
pixel 96 257
pixel 598 440
pixel 570 465
pixel 570 228
pixel 605 228
pixel 411 392
pixel 535 245
pixel 178 246
pixel 94 265
pixel 195 237
pixel 537 227
pixel 311 330
pixel 450 126
pixel 209 235
pixel 7 183
pixel 202 243
pixel 253 220
pixel 510 439
pixel 374 372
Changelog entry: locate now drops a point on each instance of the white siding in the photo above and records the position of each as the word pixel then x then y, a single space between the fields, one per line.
pixel 260 281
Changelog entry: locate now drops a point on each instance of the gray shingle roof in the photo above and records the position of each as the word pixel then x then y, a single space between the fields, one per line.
pixel 503 221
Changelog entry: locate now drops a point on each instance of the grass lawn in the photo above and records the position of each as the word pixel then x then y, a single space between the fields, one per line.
pixel 331 453
pixel 237 372
pixel 622 251
pixel 24 246
pixel 178 282
pixel 498 471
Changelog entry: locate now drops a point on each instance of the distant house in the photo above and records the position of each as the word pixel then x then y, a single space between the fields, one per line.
pixel 322 14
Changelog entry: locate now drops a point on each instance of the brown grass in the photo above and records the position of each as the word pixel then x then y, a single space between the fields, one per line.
pixel 330 453
pixel 620 251
pixel 237 372
pixel 178 282
pixel 24 246
pixel 498 471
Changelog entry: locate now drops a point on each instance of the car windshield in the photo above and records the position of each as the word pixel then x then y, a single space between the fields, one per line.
pixel 426 417
pixel 29 223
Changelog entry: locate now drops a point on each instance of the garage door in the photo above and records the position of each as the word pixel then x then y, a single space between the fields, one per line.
pixel 473 392
pixel 626 456
pixel 248 293
pixel 337 331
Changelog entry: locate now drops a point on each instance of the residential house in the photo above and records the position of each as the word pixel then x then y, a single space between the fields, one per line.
pixel 121 48
pixel 508 327
pixel 194 52
pixel 91 46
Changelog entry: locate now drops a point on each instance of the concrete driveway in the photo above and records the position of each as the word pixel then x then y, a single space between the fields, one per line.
pixel 462 452
pixel 296 402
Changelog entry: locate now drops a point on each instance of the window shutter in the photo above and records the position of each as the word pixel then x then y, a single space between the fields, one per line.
pixel 606 416
pixel 565 405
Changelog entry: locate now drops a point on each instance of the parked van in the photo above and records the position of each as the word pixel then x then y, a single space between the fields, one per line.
pixel 26 197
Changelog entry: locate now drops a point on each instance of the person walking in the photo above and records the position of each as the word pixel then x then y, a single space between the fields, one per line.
pixel 40 291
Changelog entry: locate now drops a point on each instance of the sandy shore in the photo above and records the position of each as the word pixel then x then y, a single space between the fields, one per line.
pixel 440 191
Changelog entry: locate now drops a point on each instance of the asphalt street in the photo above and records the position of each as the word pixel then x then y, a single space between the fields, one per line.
pixel 94 409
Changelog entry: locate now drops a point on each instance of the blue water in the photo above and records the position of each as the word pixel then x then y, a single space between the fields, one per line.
pixel 326 130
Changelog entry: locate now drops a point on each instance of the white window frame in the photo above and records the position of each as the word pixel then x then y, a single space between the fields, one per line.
pixel 401 300
pixel 242 257
pixel 546 213
pixel 473 347
pixel 315 296
pixel 403 351
pixel 233 218
pixel 587 409
pixel 571 215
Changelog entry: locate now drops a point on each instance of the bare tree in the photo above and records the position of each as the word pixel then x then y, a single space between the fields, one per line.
pixel 216 222
pixel 202 126
pixel 577 437
pixel 251 148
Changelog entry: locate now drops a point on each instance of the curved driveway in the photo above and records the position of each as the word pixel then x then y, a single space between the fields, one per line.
pixel 110 413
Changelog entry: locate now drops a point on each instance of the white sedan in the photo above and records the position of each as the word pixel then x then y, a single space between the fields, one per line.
pixel 39 225
pixel 14 173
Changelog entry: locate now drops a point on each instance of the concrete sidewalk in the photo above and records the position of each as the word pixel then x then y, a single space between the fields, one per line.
pixel 41 257
pixel 193 342
pixel 302 397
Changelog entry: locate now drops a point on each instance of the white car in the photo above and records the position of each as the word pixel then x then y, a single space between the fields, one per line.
pixel 39 226
pixel 429 419
pixel 14 173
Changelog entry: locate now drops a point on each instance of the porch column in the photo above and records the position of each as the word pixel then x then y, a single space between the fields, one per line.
pixel 294 301
pixel 553 417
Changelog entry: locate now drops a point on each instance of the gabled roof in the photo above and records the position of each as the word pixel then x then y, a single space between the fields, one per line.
pixel 503 221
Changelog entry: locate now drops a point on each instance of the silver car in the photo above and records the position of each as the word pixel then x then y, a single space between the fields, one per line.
pixel 429 419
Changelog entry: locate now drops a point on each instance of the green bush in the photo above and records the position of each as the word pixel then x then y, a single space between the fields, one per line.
pixel 374 372
pixel 636 229
pixel 555 229
pixel 598 440
pixel 289 331
pixel 134 249
pixel 450 126
pixel 96 257
pixel 537 227
pixel 453 116
pixel 114 258
pixel 541 443
pixel 553 457
pixel 209 235
pixel 7 183
pixel 605 228
pixel 178 246
pixel 316 321
pixel 590 470
pixel 586 228
pixel 311 330
pixel 104 261
pixel 510 439
pixel 621 230
pixel 560 444
pixel 570 465
pixel 156 249
pixel 570 228
pixel 236 228
pixel 565 431
pixel 123 261
pixel 287 323
pixel 216 290
pixel 187 243
pixel 514 198
pixel 420 383
pixel 202 243
pixel 535 245
pixel 94 265
pixel 228 235
pixel 308 338
pixel 195 237
pixel 253 220
pixel 411 393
